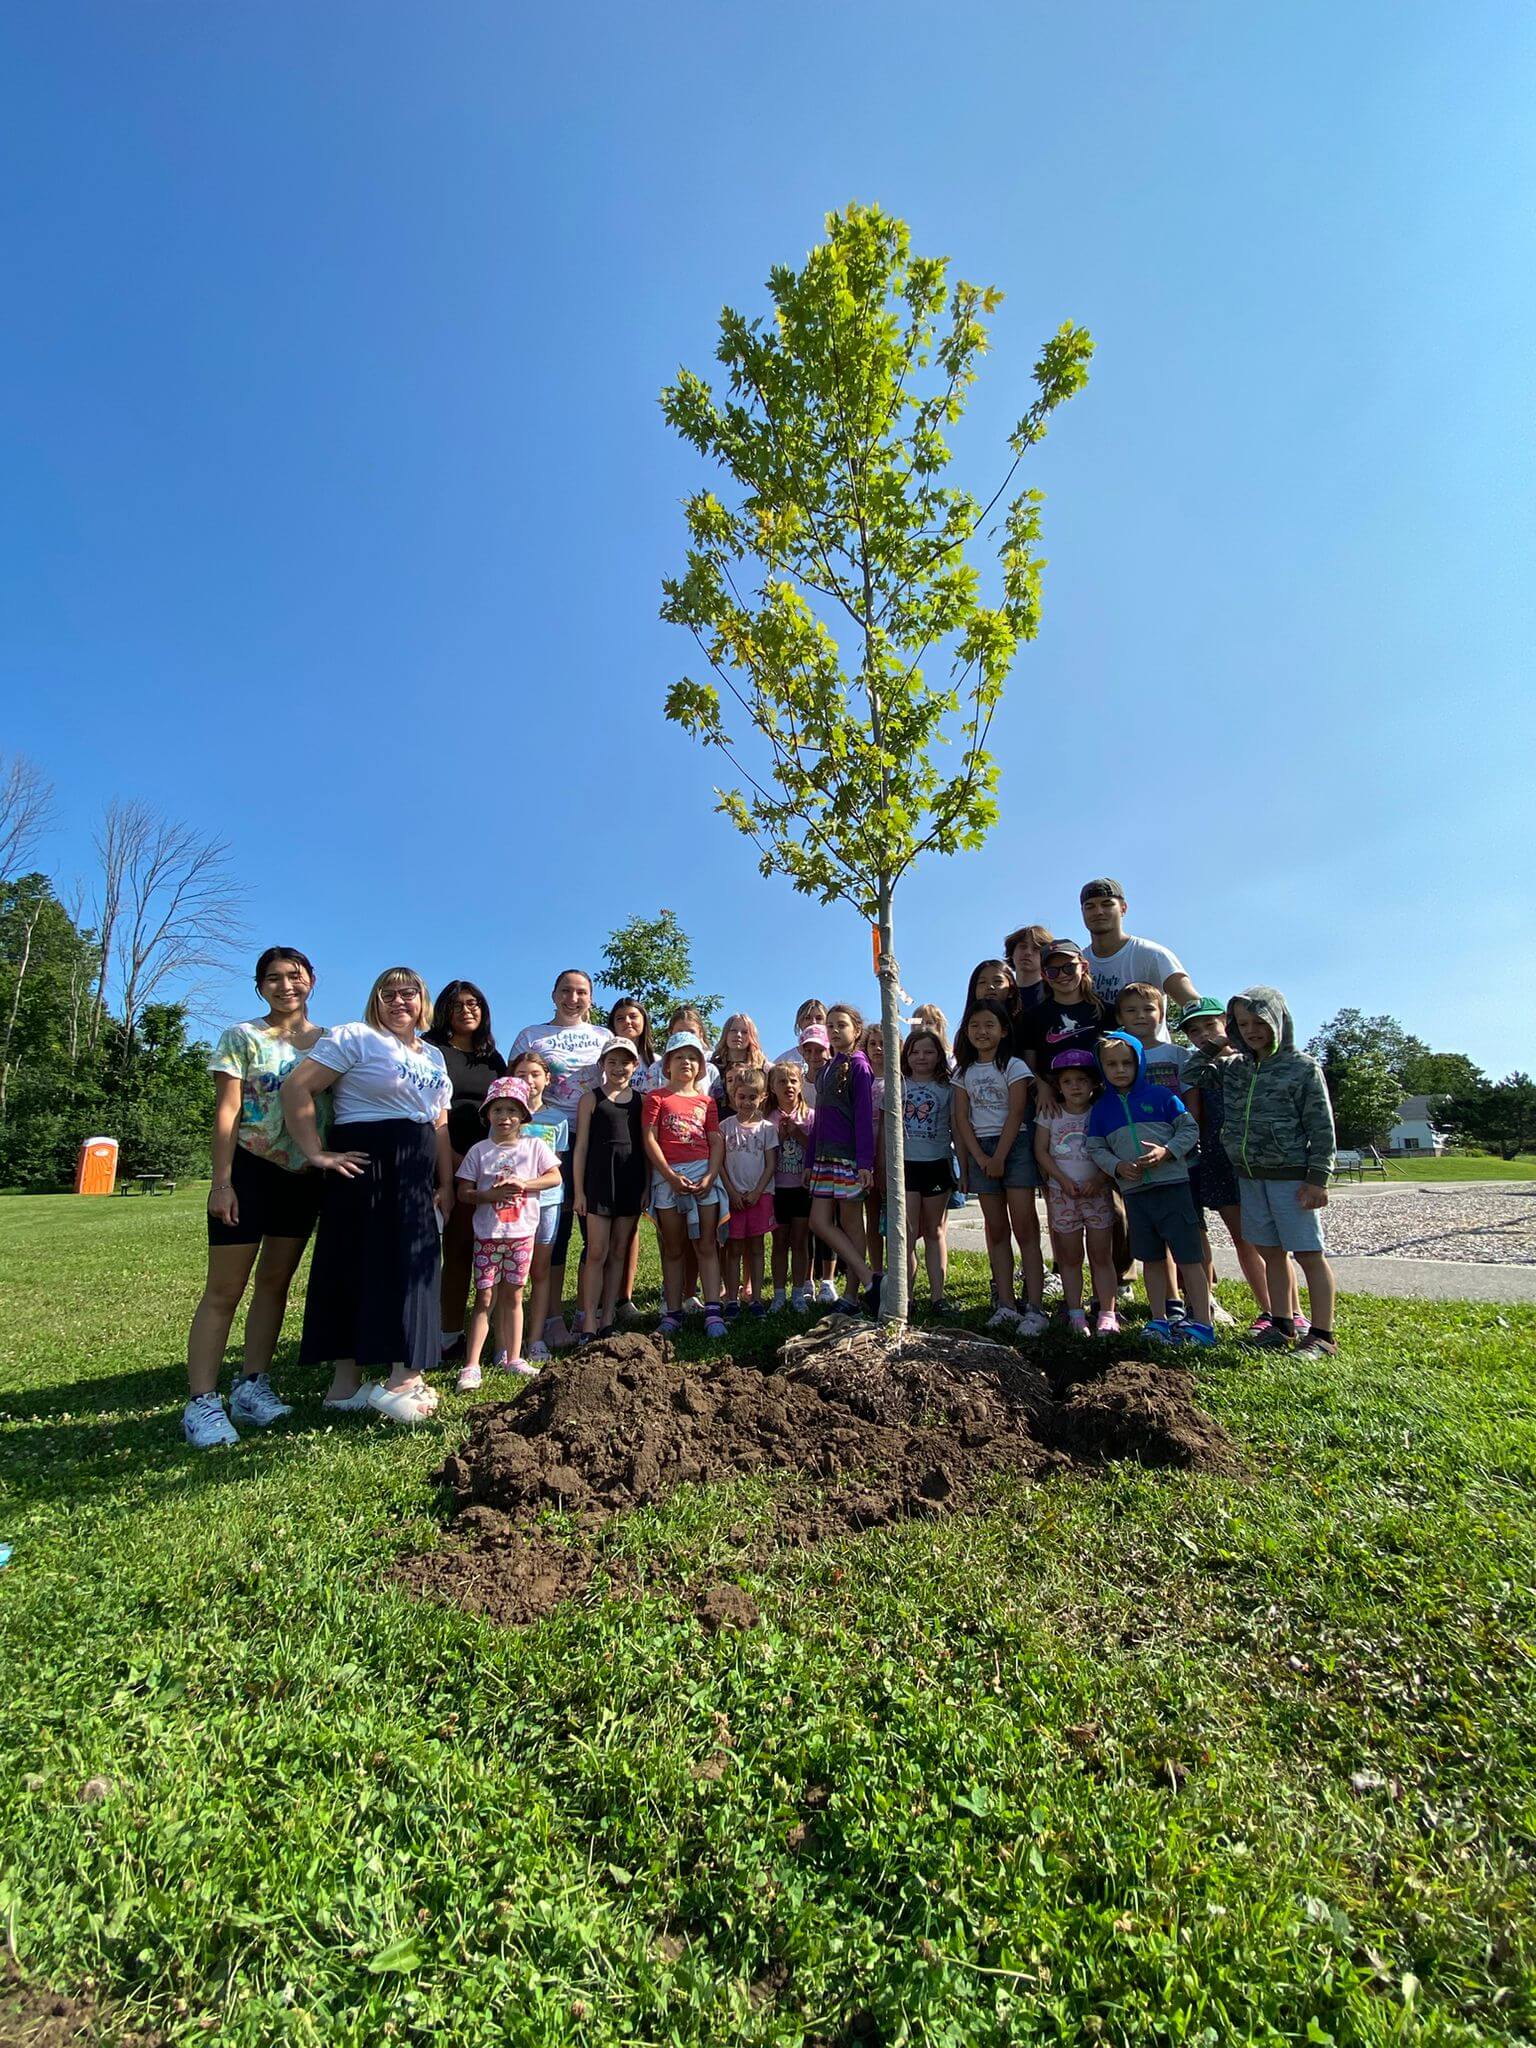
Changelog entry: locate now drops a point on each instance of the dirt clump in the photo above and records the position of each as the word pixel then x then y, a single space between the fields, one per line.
pixel 876 1425
pixel 31 2016
pixel 1146 1413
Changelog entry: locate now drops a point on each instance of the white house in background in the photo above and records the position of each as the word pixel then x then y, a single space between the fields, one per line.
pixel 1414 1130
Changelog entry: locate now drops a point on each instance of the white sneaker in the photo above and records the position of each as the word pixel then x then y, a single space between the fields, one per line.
pixel 253 1401
pixel 693 1306
pixel 1002 1319
pixel 1223 1318
pixel 469 1379
pixel 826 1294
pixel 204 1423
pixel 1034 1322
pixel 401 1404
pixel 537 1352
pixel 1052 1290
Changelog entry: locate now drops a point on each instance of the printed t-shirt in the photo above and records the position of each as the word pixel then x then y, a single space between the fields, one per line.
pixel 571 1052
pixel 260 1061
pixel 1067 1133
pixel 1164 1065
pixel 684 1125
pixel 789 1163
pixel 486 1163
pixel 925 1119
pixel 747 1147
pixel 1135 960
pixel 379 1079
pixel 1060 1027
pixel 986 1088
pixel 550 1125
pixel 470 1077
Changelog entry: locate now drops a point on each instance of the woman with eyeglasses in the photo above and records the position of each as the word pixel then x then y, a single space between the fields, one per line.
pixel 461 1031
pixel 372 1304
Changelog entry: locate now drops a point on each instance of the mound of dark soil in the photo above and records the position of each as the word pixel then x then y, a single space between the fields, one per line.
pixel 879 1426
pixel 33 2017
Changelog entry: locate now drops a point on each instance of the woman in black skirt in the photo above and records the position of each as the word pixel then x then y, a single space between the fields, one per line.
pixel 461 1031
pixel 612 1178
pixel 373 1288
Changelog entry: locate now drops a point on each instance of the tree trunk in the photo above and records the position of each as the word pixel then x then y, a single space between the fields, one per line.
pixel 10 1022
pixel 893 1295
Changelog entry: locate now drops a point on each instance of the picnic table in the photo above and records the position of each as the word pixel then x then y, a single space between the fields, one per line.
pixel 148 1184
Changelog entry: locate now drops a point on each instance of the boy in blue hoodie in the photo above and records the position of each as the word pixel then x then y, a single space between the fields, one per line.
pixel 1142 1136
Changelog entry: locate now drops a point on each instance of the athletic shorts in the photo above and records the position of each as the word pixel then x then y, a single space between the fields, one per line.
pixel 1163 1219
pixel 929 1177
pixel 269 1201
pixel 1078 1210
pixel 1019 1168
pixel 791 1205
pixel 754 1222
pixel 1271 1215
pixel 499 1259
pixel 1213 1179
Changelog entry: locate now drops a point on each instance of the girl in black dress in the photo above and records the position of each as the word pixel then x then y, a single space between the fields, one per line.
pixel 612 1177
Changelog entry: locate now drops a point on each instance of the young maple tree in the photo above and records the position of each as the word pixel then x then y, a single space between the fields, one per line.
pixel 832 430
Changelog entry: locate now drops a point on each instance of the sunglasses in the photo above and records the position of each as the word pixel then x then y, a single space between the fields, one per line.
pixel 1065 972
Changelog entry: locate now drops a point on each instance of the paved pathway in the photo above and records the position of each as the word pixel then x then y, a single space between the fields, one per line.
pixel 1420 1278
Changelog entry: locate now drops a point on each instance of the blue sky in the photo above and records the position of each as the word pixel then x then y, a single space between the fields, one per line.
pixel 337 498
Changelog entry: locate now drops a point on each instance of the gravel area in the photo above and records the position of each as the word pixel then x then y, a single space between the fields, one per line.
pixel 1485 1226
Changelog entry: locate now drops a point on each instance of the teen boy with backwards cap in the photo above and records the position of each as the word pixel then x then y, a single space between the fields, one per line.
pixel 1115 958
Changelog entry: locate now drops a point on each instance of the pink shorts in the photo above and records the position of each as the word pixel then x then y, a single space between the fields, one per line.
pixel 1078 1211
pixel 499 1259
pixel 754 1222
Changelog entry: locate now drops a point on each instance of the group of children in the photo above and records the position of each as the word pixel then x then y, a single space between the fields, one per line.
pixel 1130 1135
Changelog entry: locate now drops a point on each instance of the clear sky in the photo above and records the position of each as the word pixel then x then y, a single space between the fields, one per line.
pixel 336 496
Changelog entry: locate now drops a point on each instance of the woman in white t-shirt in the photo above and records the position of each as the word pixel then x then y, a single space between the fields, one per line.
pixel 372 1303
pixel 570 1045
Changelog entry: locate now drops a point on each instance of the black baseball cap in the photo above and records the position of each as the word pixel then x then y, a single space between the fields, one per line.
pixel 1102 885
pixel 1067 946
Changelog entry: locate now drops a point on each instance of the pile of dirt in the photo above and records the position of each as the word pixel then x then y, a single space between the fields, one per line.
pixel 31 2016
pixel 879 1426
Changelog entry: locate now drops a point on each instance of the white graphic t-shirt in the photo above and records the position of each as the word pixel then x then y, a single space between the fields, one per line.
pixel 378 1078
pixel 1136 960
pixel 571 1052
pixel 487 1164
pixel 986 1088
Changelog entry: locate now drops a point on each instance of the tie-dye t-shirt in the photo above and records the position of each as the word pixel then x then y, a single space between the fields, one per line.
pixel 261 1061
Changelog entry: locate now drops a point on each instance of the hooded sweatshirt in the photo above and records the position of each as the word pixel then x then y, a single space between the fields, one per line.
pixel 1278 1121
pixel 1122 1121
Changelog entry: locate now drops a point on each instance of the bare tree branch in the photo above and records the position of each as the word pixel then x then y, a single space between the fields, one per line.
pixel 26 811
pixel 170 910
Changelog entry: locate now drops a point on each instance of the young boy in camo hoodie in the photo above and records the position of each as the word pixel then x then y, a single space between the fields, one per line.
pixel 1277 1128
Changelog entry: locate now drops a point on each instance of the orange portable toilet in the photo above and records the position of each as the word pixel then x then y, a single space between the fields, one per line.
pixel 96 1168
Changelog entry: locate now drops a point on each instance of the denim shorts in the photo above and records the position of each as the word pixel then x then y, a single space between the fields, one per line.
pixel 1271 1215
pixel 1019 1168
pixel 549 1224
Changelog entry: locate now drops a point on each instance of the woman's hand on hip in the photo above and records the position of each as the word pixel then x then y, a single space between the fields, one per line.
pixel 348 1164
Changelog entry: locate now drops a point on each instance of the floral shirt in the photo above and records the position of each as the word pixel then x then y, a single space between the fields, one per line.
pixel 261 1061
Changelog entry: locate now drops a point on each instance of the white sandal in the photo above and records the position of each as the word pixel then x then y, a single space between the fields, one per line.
pixel 401 1404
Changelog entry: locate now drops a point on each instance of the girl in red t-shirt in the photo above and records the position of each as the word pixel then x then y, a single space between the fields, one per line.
pixel 681 1132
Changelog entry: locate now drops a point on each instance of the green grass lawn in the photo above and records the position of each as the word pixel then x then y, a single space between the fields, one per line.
pixel 1141 1759
pixel 1453 1167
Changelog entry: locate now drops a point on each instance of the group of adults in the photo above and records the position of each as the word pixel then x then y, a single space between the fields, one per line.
pixel 353 1133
